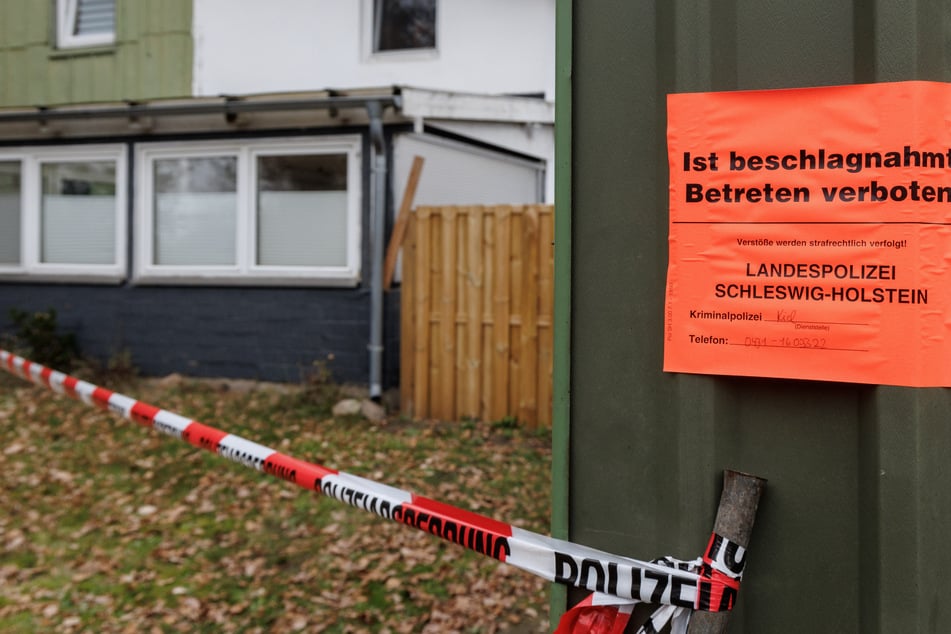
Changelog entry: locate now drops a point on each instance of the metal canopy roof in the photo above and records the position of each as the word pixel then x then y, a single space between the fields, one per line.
pixel 326 108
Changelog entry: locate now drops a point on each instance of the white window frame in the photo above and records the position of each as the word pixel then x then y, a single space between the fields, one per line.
pixel 31 267
pixel 67 13
pixel 246 271
pixel 410 54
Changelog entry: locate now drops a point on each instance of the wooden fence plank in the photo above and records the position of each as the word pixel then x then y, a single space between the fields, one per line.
pixel 436 226
pixel 516 299
pixel 488 308
pixel 528 331
pixel 402 218
pixel 447 317
pixel 461 307
pixel 501 351
pixel 460 268
pixel 421 322
pixel 473 364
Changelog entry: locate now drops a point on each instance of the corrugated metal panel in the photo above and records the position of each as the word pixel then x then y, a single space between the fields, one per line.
pixel 850 534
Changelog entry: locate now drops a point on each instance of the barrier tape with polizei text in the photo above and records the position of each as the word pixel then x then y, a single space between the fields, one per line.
pixel 710 583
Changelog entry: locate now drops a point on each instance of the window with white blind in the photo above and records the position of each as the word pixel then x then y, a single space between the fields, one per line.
pixel 78 212
pixel 10 197
pixel 195 211
pixel 62 212
pixel 274 211
pixel 82 23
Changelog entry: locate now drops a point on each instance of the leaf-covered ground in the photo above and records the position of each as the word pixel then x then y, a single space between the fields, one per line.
pixel 109 527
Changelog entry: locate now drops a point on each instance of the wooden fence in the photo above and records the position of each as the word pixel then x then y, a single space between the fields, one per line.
pixel 477 300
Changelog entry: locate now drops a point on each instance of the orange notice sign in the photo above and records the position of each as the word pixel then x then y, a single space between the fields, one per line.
pixel 810 234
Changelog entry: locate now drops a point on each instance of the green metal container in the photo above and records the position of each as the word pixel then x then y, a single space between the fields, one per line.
pixel 851 533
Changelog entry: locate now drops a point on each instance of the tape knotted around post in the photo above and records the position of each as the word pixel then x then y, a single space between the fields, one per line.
pixel 722 563
pixel 720 570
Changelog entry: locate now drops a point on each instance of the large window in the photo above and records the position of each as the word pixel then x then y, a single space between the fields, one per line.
pixel 85 23
pixel 404 25
pixel 62 212
pixel 249 212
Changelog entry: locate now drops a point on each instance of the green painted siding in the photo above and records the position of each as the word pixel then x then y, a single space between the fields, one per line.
pixel 561 385
pixel 152 56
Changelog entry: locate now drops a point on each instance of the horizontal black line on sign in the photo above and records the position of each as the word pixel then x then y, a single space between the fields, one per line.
pixel 804 222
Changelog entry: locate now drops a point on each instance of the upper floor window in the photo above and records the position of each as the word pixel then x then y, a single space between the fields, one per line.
pixel 253 211
pixel 85 23
pixel 400 25
pixel 62 212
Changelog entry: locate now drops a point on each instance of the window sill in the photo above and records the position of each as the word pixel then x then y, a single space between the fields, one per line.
pixel 198 279
pixel 71 52
pixel 104 279
pixel 404 55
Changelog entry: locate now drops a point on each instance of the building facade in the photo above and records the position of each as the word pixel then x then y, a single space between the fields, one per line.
pixel 210 185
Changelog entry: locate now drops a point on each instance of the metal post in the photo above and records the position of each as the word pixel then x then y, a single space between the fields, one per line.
pixel 377 242
pixel 735 516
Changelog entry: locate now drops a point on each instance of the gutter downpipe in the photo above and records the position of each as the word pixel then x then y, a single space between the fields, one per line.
pixel 377 234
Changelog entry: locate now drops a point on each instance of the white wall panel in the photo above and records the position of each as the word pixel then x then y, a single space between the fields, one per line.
pixel 490 46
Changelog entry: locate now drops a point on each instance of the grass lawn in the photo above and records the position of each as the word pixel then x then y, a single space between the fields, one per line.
pixel 109 527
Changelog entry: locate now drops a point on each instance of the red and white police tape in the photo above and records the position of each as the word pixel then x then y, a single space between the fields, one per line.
pixel 709 583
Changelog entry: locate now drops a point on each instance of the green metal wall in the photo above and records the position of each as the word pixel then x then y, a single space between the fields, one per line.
pixel 152 56
pixel 852 532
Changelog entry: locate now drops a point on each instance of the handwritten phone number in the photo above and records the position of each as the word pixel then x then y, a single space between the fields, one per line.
pixel 785 342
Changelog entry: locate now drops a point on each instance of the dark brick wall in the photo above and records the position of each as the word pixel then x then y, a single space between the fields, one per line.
pixel 270 334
